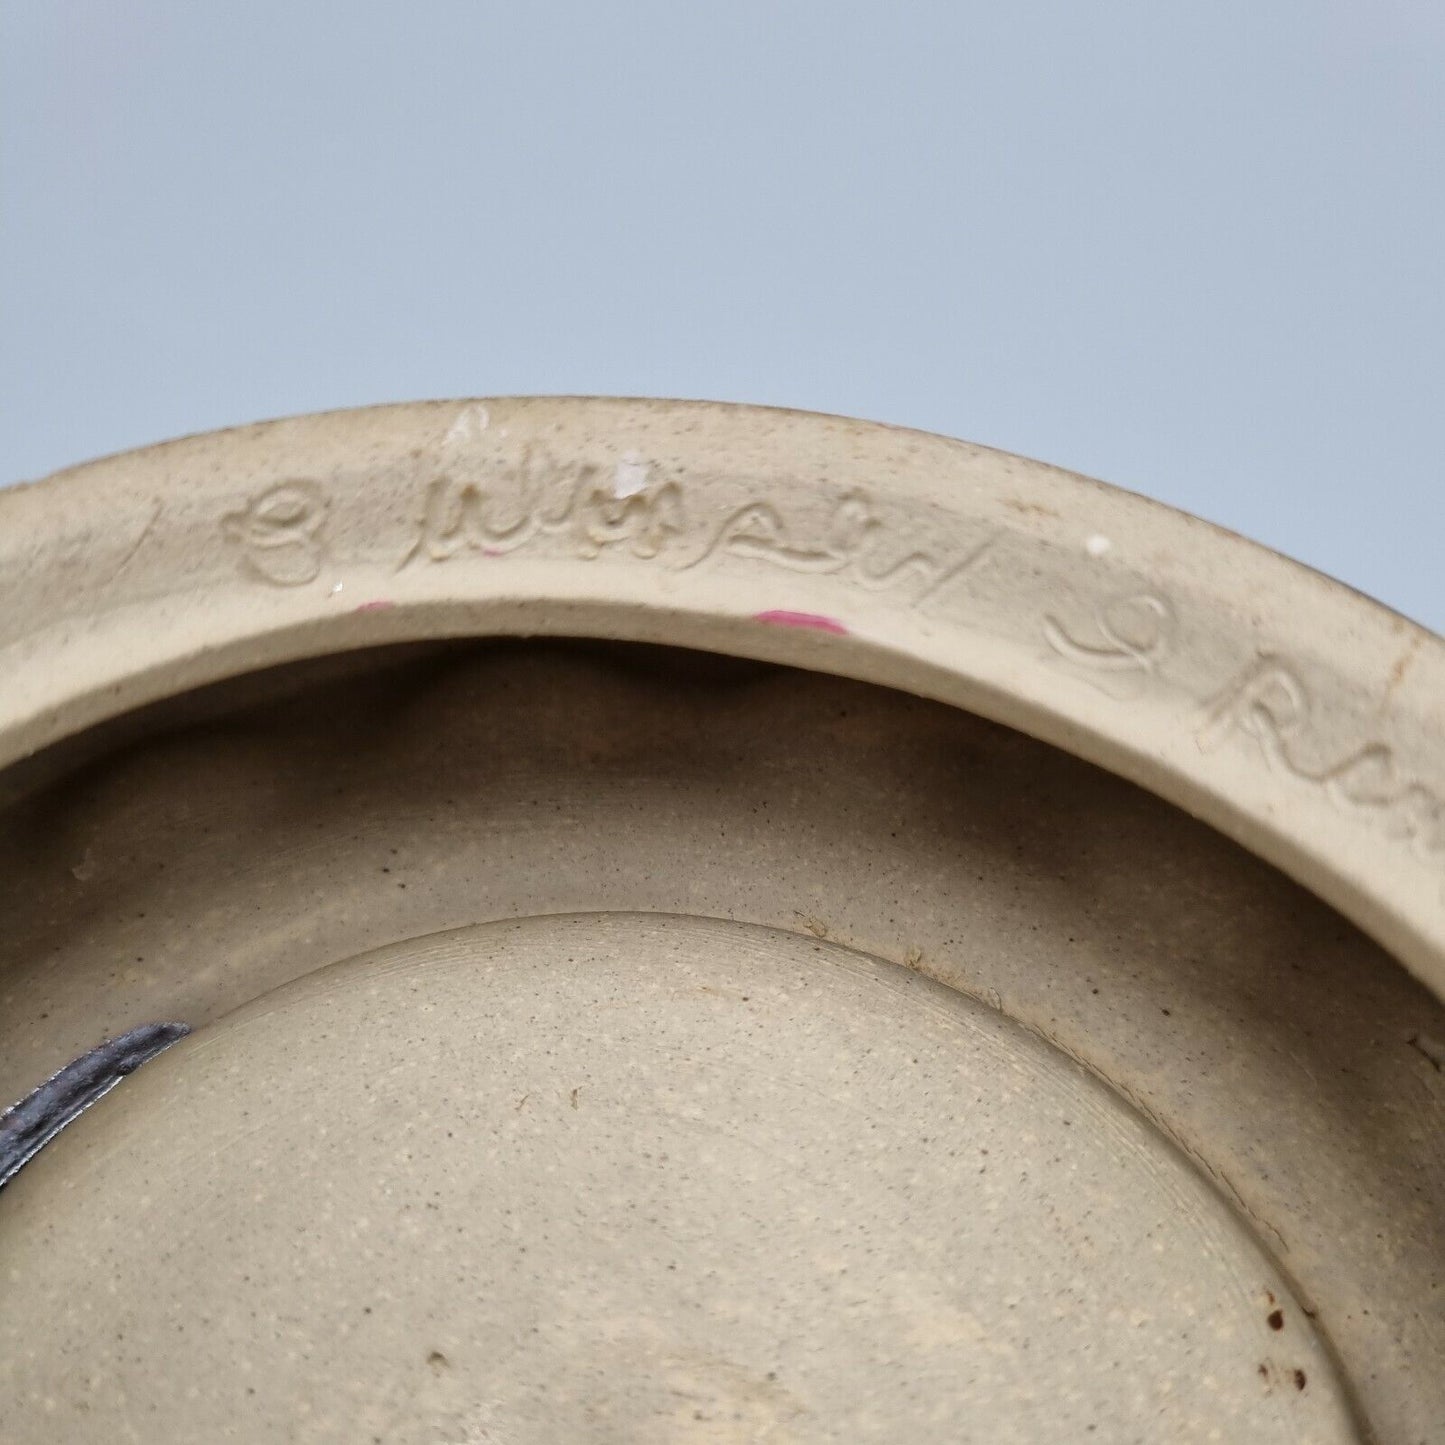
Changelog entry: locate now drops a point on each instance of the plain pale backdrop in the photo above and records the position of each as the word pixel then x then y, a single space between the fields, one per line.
pixel 1194 249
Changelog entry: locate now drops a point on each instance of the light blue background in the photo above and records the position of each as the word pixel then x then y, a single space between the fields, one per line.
pixel 1195 249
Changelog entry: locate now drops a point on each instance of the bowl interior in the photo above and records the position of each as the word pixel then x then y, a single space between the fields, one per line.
pixel 605 1041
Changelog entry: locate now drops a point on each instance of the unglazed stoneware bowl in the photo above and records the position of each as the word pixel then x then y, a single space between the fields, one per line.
pixel 704 923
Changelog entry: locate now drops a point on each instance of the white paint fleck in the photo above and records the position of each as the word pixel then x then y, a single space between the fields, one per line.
pixel 337 588
pixel 1097 545
pixel 630 477
pixel 473 421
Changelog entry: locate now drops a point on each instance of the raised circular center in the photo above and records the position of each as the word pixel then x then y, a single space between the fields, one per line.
pixel 634 1178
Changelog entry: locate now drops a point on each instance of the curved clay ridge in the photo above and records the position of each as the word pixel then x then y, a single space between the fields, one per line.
pixel 1291 713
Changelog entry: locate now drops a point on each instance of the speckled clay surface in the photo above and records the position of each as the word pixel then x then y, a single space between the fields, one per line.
pixel 581 906
pixel 688 1178
pixel 1281 707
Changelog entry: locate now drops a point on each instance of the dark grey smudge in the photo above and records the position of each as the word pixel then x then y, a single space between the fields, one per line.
pixel 27 1127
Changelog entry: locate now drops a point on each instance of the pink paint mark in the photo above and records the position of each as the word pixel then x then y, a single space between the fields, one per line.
pixel 493 552
pixel 375 606
pixel 802 619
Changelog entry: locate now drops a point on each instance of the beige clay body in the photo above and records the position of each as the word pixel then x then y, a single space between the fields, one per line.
pixel 816 1034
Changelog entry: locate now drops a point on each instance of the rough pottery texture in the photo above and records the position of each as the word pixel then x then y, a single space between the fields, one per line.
pixel 598 1040
pixel 1273 702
